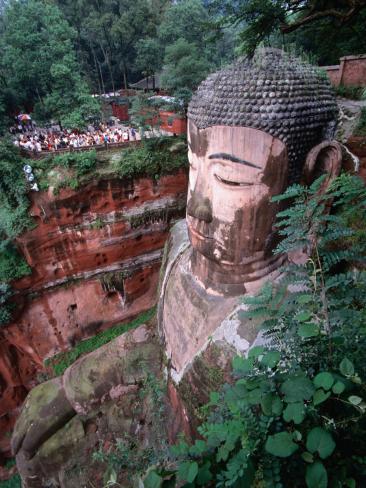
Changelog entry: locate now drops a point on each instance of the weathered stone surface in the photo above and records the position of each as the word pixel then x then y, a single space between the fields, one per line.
pixel 43 467
pixel 110 393
pixel 45 410
pixel 81 231
pixel 95 256
pixel 253 128
pixel 112 371
pixel 58 318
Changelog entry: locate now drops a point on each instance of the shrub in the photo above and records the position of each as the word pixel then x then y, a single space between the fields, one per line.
pixel 81 162
pixel 13 482
pixel 12 264
pixel 361 127
pixel 351 92
pixel 154 158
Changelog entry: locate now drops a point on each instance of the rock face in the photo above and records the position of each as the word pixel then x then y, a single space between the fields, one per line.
pixel 95 256
pixel 105 395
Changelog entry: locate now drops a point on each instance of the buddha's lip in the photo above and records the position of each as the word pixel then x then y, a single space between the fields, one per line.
pixel 197 234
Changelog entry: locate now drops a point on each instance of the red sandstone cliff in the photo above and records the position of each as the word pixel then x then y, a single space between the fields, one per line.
pixel 95 255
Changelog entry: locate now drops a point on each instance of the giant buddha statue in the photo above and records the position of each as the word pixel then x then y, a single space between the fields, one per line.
pixel 253 129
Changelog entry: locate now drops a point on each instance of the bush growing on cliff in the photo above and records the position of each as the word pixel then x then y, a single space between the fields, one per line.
pixel 14 220
pixel 296 412
pixel 81 162
pixel 153 158
pixel 14 203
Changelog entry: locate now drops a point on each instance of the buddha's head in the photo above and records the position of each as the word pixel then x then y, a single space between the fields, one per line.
pixel 251 128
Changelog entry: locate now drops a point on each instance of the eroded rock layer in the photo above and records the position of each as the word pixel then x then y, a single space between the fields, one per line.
pixel 95 255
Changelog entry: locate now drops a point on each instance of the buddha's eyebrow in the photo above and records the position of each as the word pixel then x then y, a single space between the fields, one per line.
pixel 233 159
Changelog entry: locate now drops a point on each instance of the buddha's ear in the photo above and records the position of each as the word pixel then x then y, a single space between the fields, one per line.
pixel 325 158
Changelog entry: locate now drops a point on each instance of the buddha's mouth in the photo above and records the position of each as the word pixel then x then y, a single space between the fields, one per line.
pixel 198 235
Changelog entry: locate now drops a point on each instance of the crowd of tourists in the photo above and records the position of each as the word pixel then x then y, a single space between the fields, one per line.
pixel 38 140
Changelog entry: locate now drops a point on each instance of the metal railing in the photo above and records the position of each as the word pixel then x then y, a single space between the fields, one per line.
pixel 97 147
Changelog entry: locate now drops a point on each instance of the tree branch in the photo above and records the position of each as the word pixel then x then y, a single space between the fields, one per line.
pixel 355 7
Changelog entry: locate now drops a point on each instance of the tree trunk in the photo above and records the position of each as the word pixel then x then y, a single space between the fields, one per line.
pixel 96 69
pixel 107 60
pixel 125 76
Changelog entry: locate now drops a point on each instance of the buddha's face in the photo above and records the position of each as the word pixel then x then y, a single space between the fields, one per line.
pixel 234 173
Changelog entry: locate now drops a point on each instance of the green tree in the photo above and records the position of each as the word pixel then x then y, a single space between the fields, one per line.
pixel 39 62
pixel 184 66
pixel 187 19
pixel 192 47
pixel 149 57
pixel 260 19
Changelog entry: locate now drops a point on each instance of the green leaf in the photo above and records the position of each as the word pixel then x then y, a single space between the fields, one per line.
pixel 281 445
pixel 214 397
pixel 153 480
pixel 350 483
pixel 256 351
pixel 321 441
pixel 308 330
pixel 297 388
pixel 302 299
pixel 303 316
pixel 316 476
pixel 294 412
pixel 338 387
pixel 204 474
pixel 198 448
pixel 241 365
pixel 271 358
pixel 266 404
pixel 297 436
pixel 307 457
pixel 346 367
pixel 271 405
pixel 187 471
pixel 323 380
pixel 277 406
pixel 355 400
pixel 320 396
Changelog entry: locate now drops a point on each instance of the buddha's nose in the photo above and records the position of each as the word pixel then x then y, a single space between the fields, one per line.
pixel 199 208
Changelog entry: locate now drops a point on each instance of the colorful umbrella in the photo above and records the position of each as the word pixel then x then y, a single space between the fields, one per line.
pixel 23 117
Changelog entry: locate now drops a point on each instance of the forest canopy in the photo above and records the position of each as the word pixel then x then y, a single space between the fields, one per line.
pixel 57 53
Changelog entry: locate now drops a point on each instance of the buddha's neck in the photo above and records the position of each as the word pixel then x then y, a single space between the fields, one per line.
pixel 231 280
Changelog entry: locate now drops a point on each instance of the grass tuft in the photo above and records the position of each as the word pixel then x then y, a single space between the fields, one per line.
pixel 60 362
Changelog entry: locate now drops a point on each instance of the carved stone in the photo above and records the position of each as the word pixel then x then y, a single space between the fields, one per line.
pixel 250 129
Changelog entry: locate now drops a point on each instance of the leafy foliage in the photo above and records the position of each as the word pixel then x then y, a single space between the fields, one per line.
pixel 326 29
pixel 5 309
pixel 41 66
pixel 361 128
pixel 154 158
pixel 351 92
pixel 185 66
pixel 14 219
pixel 13 482
pixel 65 170
pixel 13 199
pixel 295 414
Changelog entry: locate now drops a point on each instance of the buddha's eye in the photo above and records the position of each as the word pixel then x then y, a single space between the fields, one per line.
pixel 232 183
